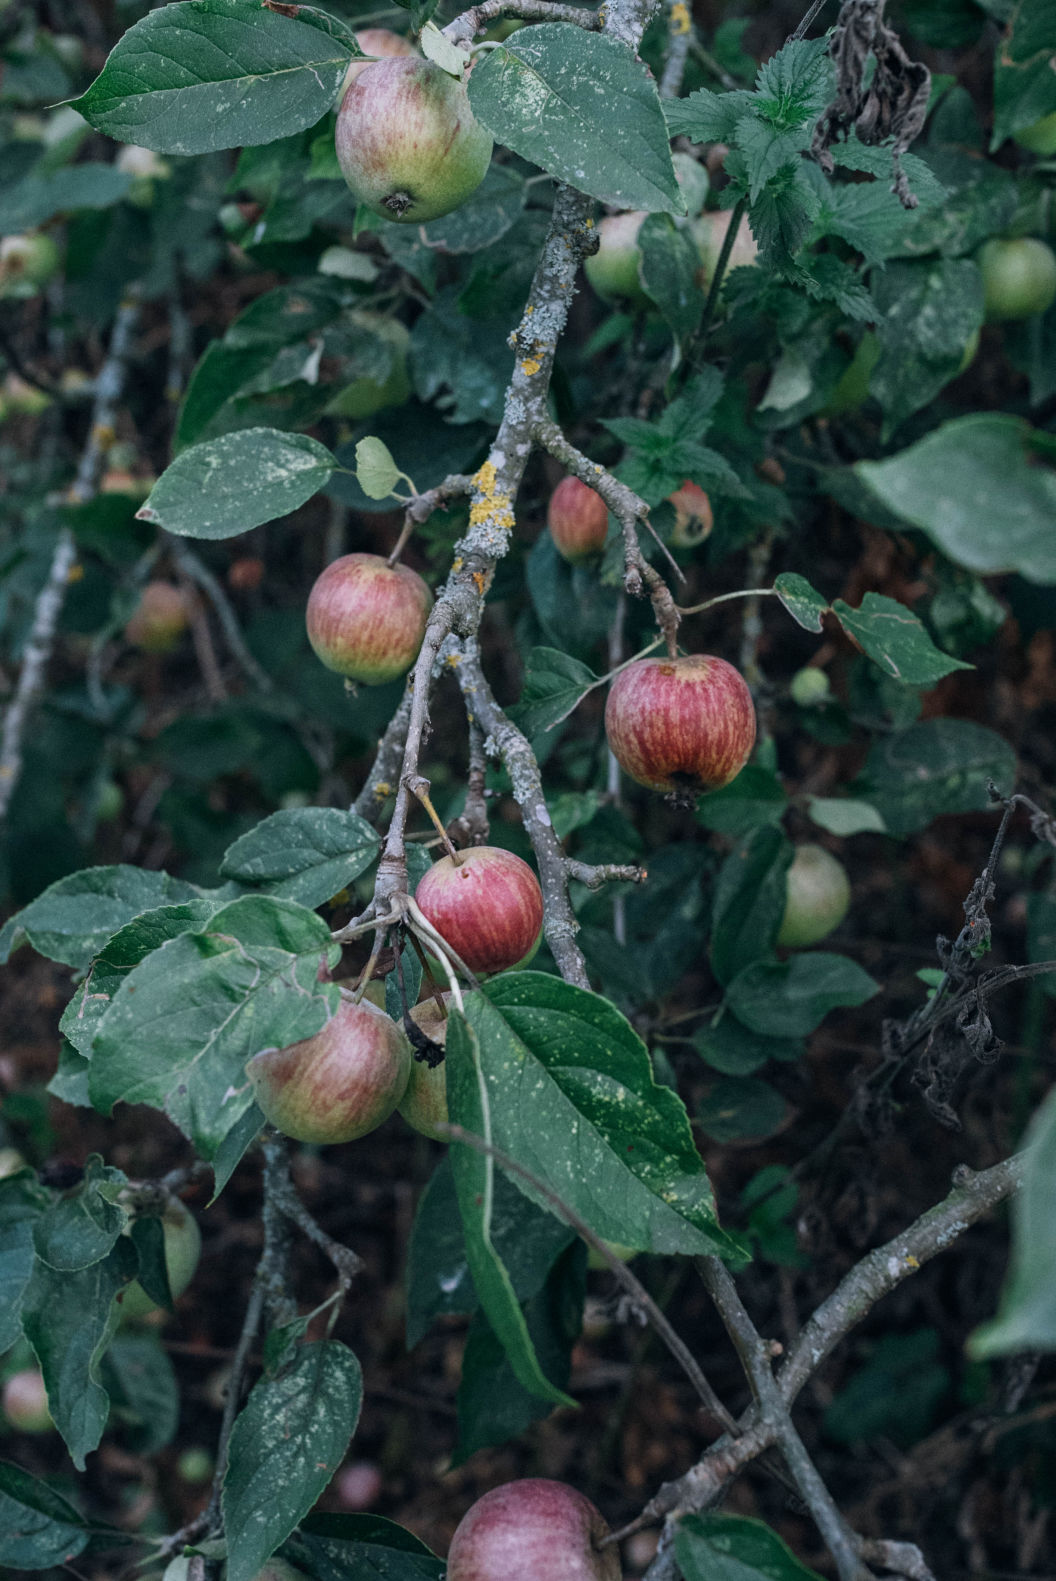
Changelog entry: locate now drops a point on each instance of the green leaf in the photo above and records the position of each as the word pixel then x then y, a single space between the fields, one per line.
pixel 376 472
pixel 337 1547
pixel 307 854
pixel 972 485
pixel 464 361
pixel 739 1107
pixel 728 1046
pixel 72 920
pixel 755 797
pixel 749 900
pixel 527 1241
pixel 735 1548
pixel 39 196
pixel 1024 78
pixel 842 815
pixel 39 1530
pixel 937 766
pixel 1026 1319
pixel 182 1024
pixel 707 117
pixel 474 1175
pixel 668 271
pixel 896 1393
pixel 896 640
pixel 228 485
pixel 1041 935
pixel 287 1442
pixel 554 682
pixel 207 74
pixel 790 998
pixel 144 1395
pixel 803 602
pixel 927 312
pixel 585 109
pixel 572 1098
pixel 484 218
pixel 22 1201
pixel 68 1318
pixel 80 1229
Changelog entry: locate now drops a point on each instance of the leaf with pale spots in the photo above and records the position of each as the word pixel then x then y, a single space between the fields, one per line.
pixel 896 640
pixel 572 1098
pixel 803 602
pixel 228 485
pixel 288 1441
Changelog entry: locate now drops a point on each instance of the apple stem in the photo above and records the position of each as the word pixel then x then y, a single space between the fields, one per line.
pixel 419 787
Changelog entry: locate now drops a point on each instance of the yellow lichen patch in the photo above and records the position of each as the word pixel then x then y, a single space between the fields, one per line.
pixel 531 365
pixel 679 19
pixel 454 658
pixel 75 573
pixel 480 582
pixel 490 505
pixel 383 788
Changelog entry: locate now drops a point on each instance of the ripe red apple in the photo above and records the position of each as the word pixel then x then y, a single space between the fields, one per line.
pixel 818 894
pixel 487 904
pixel 694 517
pixel 366 619
pixel 424 1104
pixel 613 269
pixel 408 143
pixel 183 1247
pixel 683 724
pixel 377 41
pixel 340 1083
pixel 709 233
pixel 25 1401
pixel 578 519
pixel 159 619
pixel 534 1530
pixel 1019 277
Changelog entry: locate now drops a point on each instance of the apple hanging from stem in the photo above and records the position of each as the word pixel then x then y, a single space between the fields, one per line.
pixel 533 1530
pixel 685 725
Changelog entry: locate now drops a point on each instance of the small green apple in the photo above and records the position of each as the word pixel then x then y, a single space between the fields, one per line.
pixel 613 269
pixel 818 894
pixel 1019 277
pixel 183 1245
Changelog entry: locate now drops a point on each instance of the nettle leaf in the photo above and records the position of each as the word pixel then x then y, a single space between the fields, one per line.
pixel 207 74
pixel 784 211
pixel 68 1317
pixel 749 900
pixel 790 998
pixel 22 1201
pixel 81 1228
pixel 896 640
pixel 803 602
pixel 307 854
pixel 1027 1318
pixel 935 767
pixel 795 84
pixel 766 149
pixel 181 1026
pixel 668 272
pixel 554 682
pixel 723 1547
pixel 41 195
pixel 585 109
pixel 707 117
pixel 964 477
pixel 228 485
pixel 73 918
pixel 572 1097
pixel 474 1175
pixel 287 1442
pixel 39 1530
pixel 1024 81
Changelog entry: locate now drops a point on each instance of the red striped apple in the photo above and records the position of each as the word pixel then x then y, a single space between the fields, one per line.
pixel 578 519
pixel 694 517
pixel 684 725
pixel 381 42
pixel 366 619
pixel 487 904
pixel 338 1084
pixel 533 1530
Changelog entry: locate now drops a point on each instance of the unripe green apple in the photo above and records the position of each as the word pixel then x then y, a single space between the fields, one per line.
pixel 338 1084
pixel 709 233
pixel 693 181
pixel 25 1401
pixel 818 893
pixel 809 687
pixel 195 1464
pixel 367 619
pixel 365 396
pixel 27 263
pixel 1040 138
pixel 424 1104
pixel 183 1247
pixel 381 43
pixel 1019 277
pixel 408 143
pixel 613 269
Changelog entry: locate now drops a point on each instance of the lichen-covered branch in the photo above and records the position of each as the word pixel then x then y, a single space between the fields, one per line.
pixel 679 38
pixel 463 29
pixel 41 640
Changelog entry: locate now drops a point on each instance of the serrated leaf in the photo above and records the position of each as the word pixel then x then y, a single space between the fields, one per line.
pixel 207 74
pixel 582 107
pixel 896 640
pixel 307 854
pixel 803 602
pixel 287 1442
pixel 80 1228
pixel 228 485
pixel 707 117
pixel 22 1201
